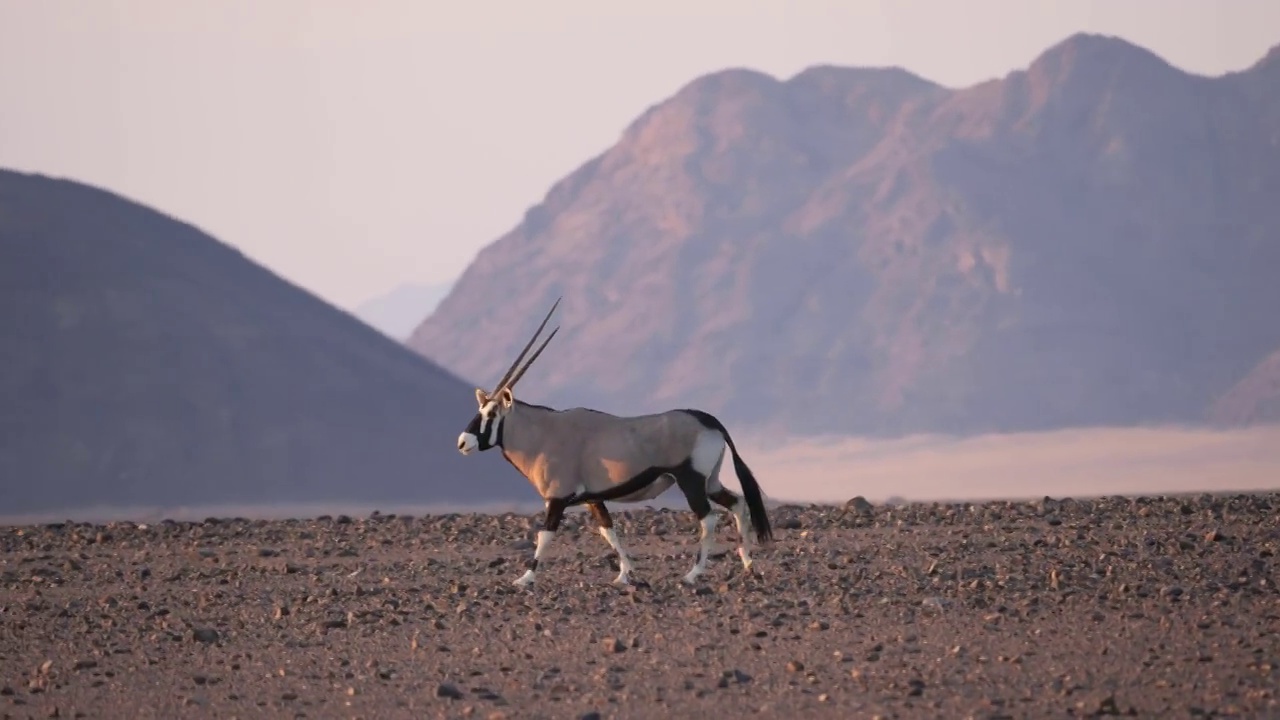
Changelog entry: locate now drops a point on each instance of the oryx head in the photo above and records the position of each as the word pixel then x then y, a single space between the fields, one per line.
pixel 485 429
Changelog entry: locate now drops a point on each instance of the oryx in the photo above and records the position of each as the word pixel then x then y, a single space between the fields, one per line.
pixel 586 457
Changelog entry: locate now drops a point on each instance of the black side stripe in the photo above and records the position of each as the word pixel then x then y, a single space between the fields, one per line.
pixel 640 481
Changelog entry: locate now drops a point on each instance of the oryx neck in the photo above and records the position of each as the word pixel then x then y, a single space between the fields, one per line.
pixel 522 432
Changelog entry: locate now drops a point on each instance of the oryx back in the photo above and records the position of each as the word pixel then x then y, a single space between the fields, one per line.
pixel 631 459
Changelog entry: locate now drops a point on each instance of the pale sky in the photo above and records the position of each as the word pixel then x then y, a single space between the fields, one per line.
pixel 353 146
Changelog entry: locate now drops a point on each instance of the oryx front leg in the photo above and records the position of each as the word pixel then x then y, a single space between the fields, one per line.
pixel 551 522
pixel 602 517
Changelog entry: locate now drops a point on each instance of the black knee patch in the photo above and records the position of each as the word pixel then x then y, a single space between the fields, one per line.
pixel 601 514
pixel 554 514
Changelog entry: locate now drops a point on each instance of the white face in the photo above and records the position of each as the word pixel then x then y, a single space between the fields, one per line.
pixel 467 443
pixel 482 432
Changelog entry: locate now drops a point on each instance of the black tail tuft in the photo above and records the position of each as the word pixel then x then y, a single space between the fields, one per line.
pixel 750 488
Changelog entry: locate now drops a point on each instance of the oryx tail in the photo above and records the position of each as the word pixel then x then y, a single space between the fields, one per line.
pixel 750 488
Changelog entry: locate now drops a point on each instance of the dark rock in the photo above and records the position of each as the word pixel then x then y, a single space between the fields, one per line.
pixel 860 504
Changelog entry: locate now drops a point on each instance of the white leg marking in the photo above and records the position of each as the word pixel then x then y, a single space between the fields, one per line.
pixel 624 563
pixel 544 539
pixel 743 521
pixel 708 538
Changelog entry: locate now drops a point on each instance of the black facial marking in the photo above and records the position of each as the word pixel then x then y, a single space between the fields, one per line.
pixel 482 439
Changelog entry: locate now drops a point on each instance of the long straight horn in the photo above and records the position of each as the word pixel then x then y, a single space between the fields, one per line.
pixel 507 375
pixel 512 383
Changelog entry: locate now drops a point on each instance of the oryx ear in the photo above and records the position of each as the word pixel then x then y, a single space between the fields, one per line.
pixel 482 396
pixel 507 398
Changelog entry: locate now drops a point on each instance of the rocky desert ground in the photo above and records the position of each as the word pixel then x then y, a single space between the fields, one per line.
pixel 1145 607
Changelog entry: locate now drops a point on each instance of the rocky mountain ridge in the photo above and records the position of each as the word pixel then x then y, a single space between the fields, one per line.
pixel 1089 241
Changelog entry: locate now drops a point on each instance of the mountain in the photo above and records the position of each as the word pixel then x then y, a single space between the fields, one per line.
pixel 1091 240
pixel 397 312
pixel 147 364
pixel 1253 400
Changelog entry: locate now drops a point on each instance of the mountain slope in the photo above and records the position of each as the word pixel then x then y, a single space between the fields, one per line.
pixel 398 312
pixel 1087 241
pixel 147 364
pixel 1253 400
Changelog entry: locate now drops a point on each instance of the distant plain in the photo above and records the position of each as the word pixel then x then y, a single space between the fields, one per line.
pixel 1075 463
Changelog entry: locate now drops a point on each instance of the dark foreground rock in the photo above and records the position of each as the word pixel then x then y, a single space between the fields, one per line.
pixel 1160 607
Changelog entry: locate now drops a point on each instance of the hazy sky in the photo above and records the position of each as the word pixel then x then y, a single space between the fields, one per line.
pixel 353 146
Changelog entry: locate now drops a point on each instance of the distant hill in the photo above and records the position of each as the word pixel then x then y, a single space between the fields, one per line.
pixel 147 364
pixel 1092 240
pixel 1255 399
pixel 399 311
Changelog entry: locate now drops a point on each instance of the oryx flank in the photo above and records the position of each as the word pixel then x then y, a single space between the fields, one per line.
pixel 587 457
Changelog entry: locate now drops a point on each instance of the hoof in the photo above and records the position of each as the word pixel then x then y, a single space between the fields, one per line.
pixel 524 580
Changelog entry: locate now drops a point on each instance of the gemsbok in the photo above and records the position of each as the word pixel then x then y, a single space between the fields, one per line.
pixel 587 457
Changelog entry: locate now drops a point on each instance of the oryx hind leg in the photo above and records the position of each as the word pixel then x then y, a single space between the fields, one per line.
pixel 701 506
pixel 737 505
pixel 696 477
pixel 601 514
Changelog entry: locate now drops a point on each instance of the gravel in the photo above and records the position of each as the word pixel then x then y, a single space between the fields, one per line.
pixel 1145 607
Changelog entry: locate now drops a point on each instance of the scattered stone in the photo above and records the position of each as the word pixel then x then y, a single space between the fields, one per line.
pixel 870 580
pixel 860 505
